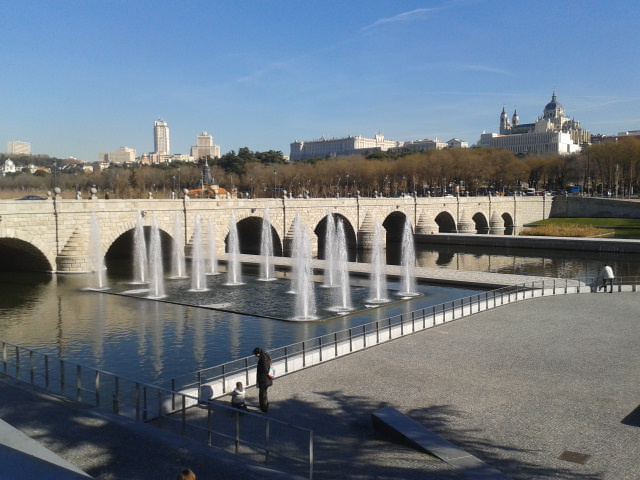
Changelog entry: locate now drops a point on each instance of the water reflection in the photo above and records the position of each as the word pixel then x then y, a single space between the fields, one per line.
pixel 520 261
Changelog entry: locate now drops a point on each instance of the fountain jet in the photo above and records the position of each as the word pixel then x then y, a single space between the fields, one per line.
pixel 140 265
pixel 156 271
pixel 342 297
pixel 178 264
pixel 267 270
pixel 198 277
pixel 330 263
pixel 305 304
pixel 234 274
pixel 378 285
pixel 408 263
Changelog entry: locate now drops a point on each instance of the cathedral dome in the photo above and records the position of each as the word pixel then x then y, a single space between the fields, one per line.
pixel 553 108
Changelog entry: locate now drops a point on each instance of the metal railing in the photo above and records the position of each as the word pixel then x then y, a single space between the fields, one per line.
pixel 258 437
pixel 219 380
pixel 620 284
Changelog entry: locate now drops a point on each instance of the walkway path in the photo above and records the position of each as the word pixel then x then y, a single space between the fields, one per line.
pixel 517 387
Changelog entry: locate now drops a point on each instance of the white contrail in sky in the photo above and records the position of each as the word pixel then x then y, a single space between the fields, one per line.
pixel 401 17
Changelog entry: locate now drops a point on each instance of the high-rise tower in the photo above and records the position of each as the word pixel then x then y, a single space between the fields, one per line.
pixel 205 147
pixel 161 137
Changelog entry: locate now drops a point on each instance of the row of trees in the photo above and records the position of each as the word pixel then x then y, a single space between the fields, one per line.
pixel 608 167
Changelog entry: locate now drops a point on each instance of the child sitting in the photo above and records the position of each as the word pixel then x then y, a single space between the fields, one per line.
pixel 237 397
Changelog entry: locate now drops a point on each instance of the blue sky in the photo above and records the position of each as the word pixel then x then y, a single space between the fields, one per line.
pixel 83 77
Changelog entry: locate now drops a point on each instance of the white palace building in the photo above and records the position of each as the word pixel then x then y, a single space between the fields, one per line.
pixel 325 147
pixel 552 134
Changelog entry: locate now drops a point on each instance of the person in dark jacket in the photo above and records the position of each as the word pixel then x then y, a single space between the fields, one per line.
pixel 262 377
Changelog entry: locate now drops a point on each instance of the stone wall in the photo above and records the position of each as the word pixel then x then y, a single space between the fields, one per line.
pixel 594 207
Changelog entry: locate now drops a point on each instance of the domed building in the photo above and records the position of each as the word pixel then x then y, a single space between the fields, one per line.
pixel 8 167
pixel 552 133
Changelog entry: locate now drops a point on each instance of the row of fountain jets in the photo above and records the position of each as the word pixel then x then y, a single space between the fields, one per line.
pixel 148 262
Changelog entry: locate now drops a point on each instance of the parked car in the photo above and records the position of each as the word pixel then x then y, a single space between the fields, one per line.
pixel 31 197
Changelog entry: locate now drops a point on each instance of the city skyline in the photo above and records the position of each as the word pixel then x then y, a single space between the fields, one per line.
pixel 85 78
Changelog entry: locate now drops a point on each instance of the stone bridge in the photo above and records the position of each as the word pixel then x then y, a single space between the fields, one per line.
pixel 53 235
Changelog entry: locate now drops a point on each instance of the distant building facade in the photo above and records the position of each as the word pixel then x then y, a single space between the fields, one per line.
pixel 122 156
pixel 204 147
pixel 552 133
pixel 161 138
pixel 457 143
pixel 18 148
pixel 599 138
pixel 324 147
pixel 422 145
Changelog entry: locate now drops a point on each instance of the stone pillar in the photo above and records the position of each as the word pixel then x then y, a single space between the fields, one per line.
pixel 496 224
pixel 366 232
pixel 287 242
pixel 426 225
pixel 74 257
pixel 465 225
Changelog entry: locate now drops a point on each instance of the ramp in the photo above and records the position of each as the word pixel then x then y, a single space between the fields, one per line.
pixel 27 459
pixel 391 422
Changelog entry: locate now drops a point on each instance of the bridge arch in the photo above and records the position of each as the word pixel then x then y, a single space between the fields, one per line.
pixel 446 223
pixel 508 223
pixel 321 234
pixel 122 247
pixel 18 254
pixel 250 236
pixel 394 225
pixel 481 222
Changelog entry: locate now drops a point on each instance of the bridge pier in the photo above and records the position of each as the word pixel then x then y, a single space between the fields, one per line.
pixel 366 233
pixel 74 257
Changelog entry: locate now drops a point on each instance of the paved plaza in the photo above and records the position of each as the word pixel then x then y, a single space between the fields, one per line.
pixel 518 387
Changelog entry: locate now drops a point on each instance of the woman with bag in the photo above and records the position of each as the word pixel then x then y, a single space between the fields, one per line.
pixel 263 378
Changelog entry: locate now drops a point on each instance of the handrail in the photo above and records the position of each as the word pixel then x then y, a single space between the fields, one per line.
pixel 259 437
pixel 618 282
pixel 219 380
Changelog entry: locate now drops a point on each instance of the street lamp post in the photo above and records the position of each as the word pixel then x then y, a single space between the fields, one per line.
pixel 275 177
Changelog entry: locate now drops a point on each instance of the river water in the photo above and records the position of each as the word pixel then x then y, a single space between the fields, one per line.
pixel 152 341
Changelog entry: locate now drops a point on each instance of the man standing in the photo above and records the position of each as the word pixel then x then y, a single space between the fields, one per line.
pixel 607 276
pixel 262 377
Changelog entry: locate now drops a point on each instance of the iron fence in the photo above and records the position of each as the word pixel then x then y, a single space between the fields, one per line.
pixel 258 437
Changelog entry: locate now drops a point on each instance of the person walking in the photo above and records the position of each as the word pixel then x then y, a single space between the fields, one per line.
pixel 608 276
pixel 263 381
